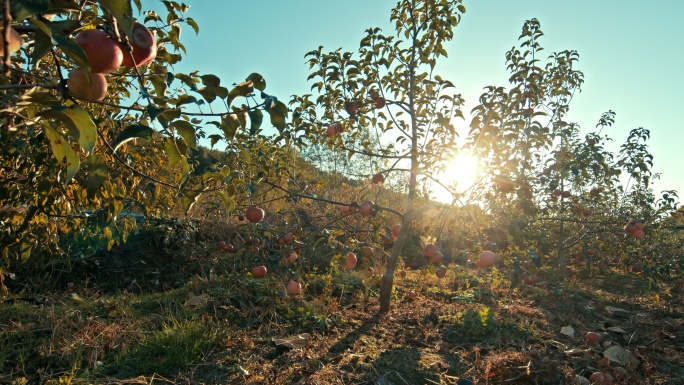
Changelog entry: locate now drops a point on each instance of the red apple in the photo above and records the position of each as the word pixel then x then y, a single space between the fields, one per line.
pixel 254 214
pixel 440 273
pixel 438 258
pixel 395 231
pixel 222 245
pixel 293 257
pixel 639 226
pixel 629 228
pixel 374 94
pixel 379 102
pixel 367 252
pixel 557 192
pixel 601 378
pixel 144 46
pixel 566 194
pixel 350 107
pixel 331 131
pixel 294 288
pixel 430 251
pixel 78 85
pixel 103 52
pixel 593 337
pixel 487 259
pixel 402 273
pixel 259 271
pixel 378 179
pixel 350 261
pixel 366 208
pixel 14 42
pixel 289 237
pixel 638 234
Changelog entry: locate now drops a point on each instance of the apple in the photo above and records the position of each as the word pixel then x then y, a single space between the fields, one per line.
pixel 531 279
pixel 438 258
pixel 222 245
pixel 639 226
pixel 578 246
pixel 367 252
pixel 78 85
pixel 402 273
pixel 144 45
pixel 350 261
pixel 371 271
pixel 240 218
pixel 629 228
pixel 487 259
pixel 593 337
pixel 254 214
pixel 103 52
pixel 440 273
pixel 518 206
pixel 280 241
pixel 374 94
pixel 638 234
pixel 350 107
pixel 378 179
pixel 289 237
pixel 14 42
pixel 621 374
pixel 566 194
pixel 430 251
pixel 366 208
pixel 259 271
pixel 395 231
pixel 601 378
pixel 293 257
pixel 294 288
pixel 331 131
pixel 380 102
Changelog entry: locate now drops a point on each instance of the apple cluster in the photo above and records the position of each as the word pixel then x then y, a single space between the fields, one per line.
pixel 105 55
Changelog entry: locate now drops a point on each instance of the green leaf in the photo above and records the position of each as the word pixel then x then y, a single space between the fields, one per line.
pixel 228 202
pixel 75 53
pixel 25 250
pixel 25 8
pixel 208 93
pixel 185 171
pixel 79 123
pixel 185 99
pixel 230 125
pixel 123 12
pixel 256 117
pixel 278 114
pixel 39 95
pixel 186 131
pixel 172 152
pixel 214 139
pixel 210 80
pixel 257 80
pixel 191 22
pixel 57 142
pixel 62 150
pixel 191 197
pixel 132 132
pixel 96 167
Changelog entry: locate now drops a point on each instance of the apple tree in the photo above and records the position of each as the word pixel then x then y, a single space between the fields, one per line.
pixel 98 126
pixel 553 186
pixel 384 102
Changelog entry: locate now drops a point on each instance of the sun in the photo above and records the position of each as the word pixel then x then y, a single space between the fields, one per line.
pixel 460 174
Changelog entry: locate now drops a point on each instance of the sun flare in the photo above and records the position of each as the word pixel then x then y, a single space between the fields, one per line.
pixel 460 174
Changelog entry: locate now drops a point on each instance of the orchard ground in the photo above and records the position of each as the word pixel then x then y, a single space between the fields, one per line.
pixel 186 312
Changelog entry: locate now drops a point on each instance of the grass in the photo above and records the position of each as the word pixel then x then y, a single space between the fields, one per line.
pixel 470 325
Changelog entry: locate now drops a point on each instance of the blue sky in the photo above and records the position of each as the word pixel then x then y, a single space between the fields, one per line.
pixel 631 53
